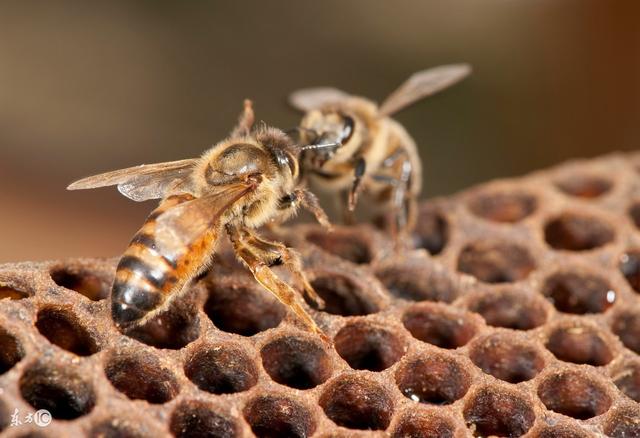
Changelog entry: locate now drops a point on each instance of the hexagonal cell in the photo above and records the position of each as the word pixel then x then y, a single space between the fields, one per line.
pixel 296 361
pixel 509 308
pixel 577 232
pixel 493 261
pixel 11 350
pixel 60 390
pixel 198 419
pixel 630 268
pixel 626 377
pixel 244 310
pixel 561 431
pixel 357 402
pixel 140 376
pixel 503 206
pixel 221 369
pixel 579 344
pixel 275 416
pixel 365 345
pixel 575 394
pixel 342 295
pixel 81 280
pixel 62 328
pixel 433 378
pixel 439 325
pixel 417 282
pixel 345 243
pixel 626 325
pixel 624 422
pixel 424 423
pixel 507 358
pixel 431 231
pixel 584 185
pixel 12 292
pixel 497 411
pixel 173 328
pixel 579 292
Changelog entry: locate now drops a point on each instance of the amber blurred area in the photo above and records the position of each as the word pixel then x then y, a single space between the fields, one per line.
pixel 86 88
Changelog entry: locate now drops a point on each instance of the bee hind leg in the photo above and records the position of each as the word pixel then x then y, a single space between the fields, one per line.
pixel 259 261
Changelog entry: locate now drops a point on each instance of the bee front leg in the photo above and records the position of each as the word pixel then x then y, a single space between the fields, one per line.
pixel 267 278
pixel 359 170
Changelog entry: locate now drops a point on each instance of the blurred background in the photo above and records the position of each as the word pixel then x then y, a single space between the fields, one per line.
pixel 87 87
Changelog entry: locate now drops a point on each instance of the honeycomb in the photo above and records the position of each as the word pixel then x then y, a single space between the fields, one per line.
pixel 517 314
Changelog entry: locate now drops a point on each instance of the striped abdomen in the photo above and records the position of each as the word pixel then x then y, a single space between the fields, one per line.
pixel 145 277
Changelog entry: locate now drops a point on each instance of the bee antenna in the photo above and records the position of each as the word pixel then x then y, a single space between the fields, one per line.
pixel 319 146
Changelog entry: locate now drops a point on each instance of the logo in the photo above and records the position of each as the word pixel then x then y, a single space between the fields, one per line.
pixel 42 418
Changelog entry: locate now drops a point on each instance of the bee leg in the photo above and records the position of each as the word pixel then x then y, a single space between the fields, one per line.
pixel 278 253
pixel 310 202
pixel 245 121
pixel 261 272
pixel 348 216
pixel 359 170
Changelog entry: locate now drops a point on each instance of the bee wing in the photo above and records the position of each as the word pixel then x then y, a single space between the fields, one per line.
pixel 186 223
pixel 312 98
pixel 148 181
pixel 422 84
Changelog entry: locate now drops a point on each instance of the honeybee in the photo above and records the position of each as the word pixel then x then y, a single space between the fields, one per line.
pixel 351 144
pixel 233 188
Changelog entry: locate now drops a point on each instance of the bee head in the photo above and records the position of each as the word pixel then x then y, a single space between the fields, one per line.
pixel 324 134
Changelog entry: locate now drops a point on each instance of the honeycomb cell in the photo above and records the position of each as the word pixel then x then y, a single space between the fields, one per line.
pixel 575 394
pixel 630 268
pixel 198 419
pixel 561 431
pixel 342 295
pixel 296 361
pixel 626 324
pixel 433 378
pixel 584 185
pixel 626 377
pixel 357 402
pixel 577 232
pixel 422 423
pixel 344 243
pixel 496 411
pixel 439 325
pixel 244 310
pixel 509 308
pixel 82 281
pixel 634 213
pixel 507 358
pixel 221 369
pixel 417 283
pixel 11 350
pixel 368 346
pixel 431 231
pixel 579 292
pixel 579 344
pixel 62 328
pixel 60 390
pixel 623 423
pixel 275 416
pixel 13 293
pixel 140 376
pixel 503 206
pixel 494 261
pixel 174 328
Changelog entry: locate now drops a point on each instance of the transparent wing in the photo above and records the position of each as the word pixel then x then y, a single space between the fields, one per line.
pixel 312 98
pixel 148 181
pixel 422 84
pixel 186 223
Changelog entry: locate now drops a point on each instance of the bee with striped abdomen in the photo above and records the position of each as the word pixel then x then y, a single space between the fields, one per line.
pixel 235 187
pixel 352 144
